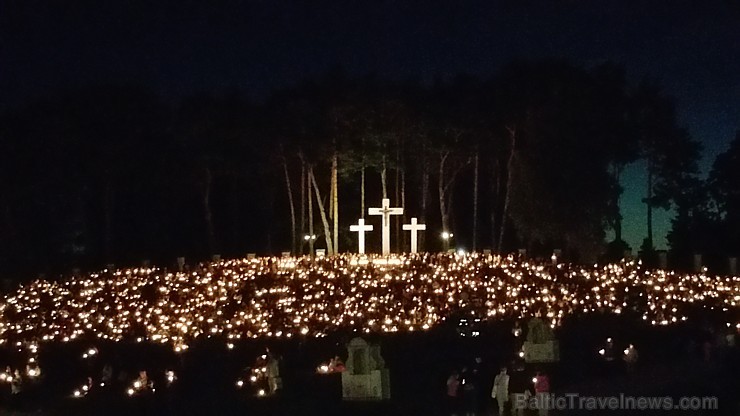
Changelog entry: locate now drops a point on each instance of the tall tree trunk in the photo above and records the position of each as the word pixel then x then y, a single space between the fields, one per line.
pixel 403 198
pixel 335 201
pixel 424 195
pixel 322 212
pixel 441 189
pixel 362 180
pixel 397 196
pixel 495 190
pixel 507 197
pixel 383 178
pixel 618 218
pixel 649 202
pixel 362 191
pixel 108 222
pixel 475 202
pixel 309 200
pixel 207 212
pixel 234 211
pixel 289 188
pixel 303 203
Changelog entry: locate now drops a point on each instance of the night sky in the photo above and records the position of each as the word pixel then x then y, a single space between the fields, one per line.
pixel 177 48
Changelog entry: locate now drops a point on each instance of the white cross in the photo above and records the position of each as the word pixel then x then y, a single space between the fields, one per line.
pixel 386 211
pixel 360 228
pixel 414 227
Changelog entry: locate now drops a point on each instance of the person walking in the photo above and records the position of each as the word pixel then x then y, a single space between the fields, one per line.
pixel 470 386
pixel 500 391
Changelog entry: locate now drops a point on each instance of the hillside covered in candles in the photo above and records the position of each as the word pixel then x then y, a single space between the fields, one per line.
pixel 297 297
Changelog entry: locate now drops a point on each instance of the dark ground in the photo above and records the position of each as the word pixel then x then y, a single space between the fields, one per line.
pixel 671 363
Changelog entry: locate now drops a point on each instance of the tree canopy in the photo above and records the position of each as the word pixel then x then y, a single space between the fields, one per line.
pixel 529 158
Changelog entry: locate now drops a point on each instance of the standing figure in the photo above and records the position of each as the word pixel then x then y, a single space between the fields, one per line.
pixel 106 375
pixel 500 390
pixel 630 357
pixel 542 391
pixel 16 383
pixel 470 391
pixel 519 388
pixel 275 383
pixel 453 393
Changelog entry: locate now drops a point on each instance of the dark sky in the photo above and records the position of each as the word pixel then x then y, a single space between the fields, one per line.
pixel 179 47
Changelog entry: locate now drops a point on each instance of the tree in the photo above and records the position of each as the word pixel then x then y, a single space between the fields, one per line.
pixel 669 152
pixel 694 227
pixel 559 148
pixel 214 145
pixel 724 188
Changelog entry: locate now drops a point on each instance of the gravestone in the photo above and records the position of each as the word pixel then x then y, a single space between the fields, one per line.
pixel 320 252
pixel 216 258
pixel 180 263
pixel 732 265
pixel 662 259
pixel 487 252
pixel 540 346
pixel 366 377
pixel 286 254
pixel 522 253
pixel 556 256
pixel 251 256
pixel 697 263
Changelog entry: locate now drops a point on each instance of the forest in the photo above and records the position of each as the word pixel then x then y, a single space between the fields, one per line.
pixel 530 157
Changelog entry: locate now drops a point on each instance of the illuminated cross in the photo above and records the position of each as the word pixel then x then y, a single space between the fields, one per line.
pixel 414 227
pixel 386 211
pixel 360 228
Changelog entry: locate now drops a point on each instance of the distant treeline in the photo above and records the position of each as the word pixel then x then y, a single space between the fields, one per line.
pixel 528 158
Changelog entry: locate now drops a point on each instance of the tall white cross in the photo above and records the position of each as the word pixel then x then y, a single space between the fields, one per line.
pixel 360 228
pixel 386 211
pixel 414 227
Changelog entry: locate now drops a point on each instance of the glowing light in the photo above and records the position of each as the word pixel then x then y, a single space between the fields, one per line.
pixel 318 297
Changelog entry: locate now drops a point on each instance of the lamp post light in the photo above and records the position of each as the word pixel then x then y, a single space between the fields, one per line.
pixel 446 236
pixel 310 239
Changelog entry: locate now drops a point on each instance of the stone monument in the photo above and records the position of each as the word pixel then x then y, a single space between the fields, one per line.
pixel 366 377
pixel 540 346
pixel 697 263
pixel 732 265
pixel 662 259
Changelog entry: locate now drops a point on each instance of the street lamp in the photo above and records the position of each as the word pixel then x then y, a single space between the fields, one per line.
pixel 446 236
pixel 310 239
